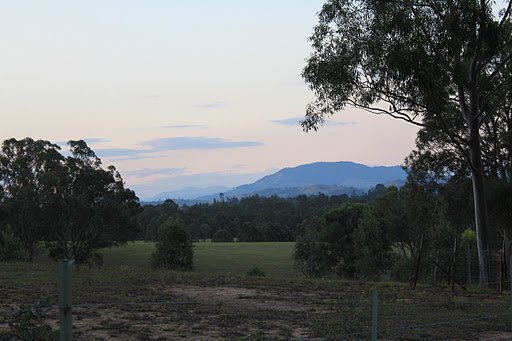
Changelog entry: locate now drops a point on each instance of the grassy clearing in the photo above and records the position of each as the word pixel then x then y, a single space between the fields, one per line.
pixel 127 300
pixel 275 259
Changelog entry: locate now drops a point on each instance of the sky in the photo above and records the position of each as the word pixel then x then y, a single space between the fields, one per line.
pixel 178 93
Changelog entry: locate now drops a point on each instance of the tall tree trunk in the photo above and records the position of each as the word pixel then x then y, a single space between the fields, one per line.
pixel 481 221
pixel 471 114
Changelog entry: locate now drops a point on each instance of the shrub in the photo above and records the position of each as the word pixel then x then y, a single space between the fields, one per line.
pixel 373 256
pixel 316 259
pixel 174 247
pixel 11 247
pixel 26 324
pixel 402 268
pixel 222 236
pixel 256 272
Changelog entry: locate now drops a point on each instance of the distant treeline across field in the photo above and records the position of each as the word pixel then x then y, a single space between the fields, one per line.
pixel 250 219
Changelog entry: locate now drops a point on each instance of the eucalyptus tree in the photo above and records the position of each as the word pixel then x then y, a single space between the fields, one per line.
pixel 28 169
pixel 91 208
pixel 439 65
pixel 69 202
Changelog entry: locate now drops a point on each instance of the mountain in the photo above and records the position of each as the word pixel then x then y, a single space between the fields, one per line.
pixel 343 173
pixel 329 178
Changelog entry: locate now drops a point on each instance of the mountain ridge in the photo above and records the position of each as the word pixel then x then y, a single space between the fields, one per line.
pixel 330 178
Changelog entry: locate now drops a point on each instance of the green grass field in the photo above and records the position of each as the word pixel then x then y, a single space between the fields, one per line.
pixel 275 259
pixel 126 299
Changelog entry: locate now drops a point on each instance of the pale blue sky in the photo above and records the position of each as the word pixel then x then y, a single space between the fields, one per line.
pixel 177 93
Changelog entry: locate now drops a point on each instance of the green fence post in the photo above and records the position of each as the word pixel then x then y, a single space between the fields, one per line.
pixel 510 286
pixel 65 302
pixel 375 312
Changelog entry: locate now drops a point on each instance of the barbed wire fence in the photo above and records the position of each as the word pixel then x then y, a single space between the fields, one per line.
pixel 379 315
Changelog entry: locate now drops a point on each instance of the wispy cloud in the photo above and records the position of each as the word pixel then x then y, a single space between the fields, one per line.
pixel 210 105
pixel 237 166
pixel 339 123
pixel 115 152
pixel 145 172
pixel 94 140
pixel 172 143
pixel 185 126
pixel 153 97
pixel 295 121
pixel 88 140
pixel 182 143
pixel 136 156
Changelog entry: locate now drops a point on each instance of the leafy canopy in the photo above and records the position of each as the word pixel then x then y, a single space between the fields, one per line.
pixel 70 202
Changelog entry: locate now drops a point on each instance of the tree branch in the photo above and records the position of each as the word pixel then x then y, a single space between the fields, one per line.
pixel 379 111
pixel 498 68
pixel 505 15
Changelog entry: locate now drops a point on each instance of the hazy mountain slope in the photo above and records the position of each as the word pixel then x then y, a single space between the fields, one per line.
pixel 343 173
pixel 330 178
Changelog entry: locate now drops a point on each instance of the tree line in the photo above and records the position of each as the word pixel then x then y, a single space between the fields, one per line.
pixel 359 237
pixel 70 206
pixel 249 219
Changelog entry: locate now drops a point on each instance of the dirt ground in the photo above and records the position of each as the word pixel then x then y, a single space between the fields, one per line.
pixel 191 312
pixel 200 313
pixel 161 310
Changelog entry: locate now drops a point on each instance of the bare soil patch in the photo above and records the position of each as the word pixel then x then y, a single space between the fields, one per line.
pixel 249 298
pixel 495 336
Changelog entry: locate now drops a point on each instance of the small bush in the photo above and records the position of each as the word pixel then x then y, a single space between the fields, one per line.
pixel 316 259
pixel 26 324
pixel 256 272
pixel 174 247
pixel 402 269
pixel 11 247
pixel 222 236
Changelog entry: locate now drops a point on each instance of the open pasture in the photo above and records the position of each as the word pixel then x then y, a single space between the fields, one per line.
pixel 127 300
pixel 275 259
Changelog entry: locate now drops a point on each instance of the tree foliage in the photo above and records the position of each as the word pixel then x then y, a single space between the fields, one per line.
pixel 350 241
pixel 29 173
pixel 69 202
pixel 11 247
pixel 254 218
pixel 441 65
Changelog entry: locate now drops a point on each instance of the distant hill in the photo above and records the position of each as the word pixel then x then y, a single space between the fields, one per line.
pixel 329 178
pixel 343 173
